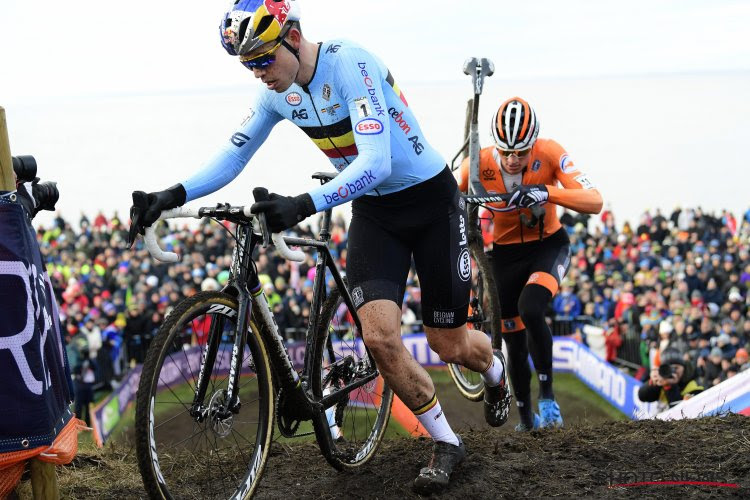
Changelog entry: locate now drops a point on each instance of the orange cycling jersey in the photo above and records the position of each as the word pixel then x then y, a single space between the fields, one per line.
pixel 548 164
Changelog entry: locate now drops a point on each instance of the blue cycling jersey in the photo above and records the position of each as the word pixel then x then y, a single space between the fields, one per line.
pixel 354 112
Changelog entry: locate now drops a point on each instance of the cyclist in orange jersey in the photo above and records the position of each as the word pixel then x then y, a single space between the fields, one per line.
pixel 529 263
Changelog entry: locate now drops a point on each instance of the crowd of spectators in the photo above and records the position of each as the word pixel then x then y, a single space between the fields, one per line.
pixel 679 281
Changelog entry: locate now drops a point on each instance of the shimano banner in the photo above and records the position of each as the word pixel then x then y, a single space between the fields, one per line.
pixel 618 388
pixel 36 387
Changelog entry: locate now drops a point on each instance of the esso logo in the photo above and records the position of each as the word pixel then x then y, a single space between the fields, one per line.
pixel 369 126
pixel 293 99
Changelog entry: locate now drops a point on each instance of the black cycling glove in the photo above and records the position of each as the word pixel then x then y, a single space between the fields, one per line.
pixel 148 207
pixel 282 212
pixel 528 195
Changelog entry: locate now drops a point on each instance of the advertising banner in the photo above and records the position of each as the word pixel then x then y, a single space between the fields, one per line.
pixel 36 386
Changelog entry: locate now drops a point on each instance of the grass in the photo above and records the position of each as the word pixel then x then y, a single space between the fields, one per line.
pixel 567 386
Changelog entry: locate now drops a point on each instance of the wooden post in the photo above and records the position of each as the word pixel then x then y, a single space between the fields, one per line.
pixel 44 481
pixel 7 176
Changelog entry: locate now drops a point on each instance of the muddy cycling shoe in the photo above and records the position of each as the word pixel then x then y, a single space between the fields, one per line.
pixel 522 427
pixel 497 398
pixel 436 476
pixel 550 413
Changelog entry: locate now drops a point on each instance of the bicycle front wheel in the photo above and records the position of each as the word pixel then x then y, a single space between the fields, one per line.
pixel 483 305
pixel 358 422
pixel 208 449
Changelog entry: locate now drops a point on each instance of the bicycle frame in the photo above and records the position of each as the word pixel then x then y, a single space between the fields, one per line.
pixel 245 285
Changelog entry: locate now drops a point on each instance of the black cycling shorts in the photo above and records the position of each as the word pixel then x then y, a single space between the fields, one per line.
pixel 514 265
pixel 426 221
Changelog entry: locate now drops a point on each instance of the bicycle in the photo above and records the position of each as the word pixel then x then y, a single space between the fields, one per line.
pixel 205 415
pixel 484 301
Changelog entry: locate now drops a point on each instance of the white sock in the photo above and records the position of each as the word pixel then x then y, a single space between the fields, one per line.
pixel 433 419
pixel 331 418
pixel 494 374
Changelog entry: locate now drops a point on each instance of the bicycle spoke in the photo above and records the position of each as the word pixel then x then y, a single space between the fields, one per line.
pixel 210 458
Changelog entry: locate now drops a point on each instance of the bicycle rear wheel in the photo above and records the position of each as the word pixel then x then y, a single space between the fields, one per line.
pixel 358 422
pixel 483 311
pixel 215 453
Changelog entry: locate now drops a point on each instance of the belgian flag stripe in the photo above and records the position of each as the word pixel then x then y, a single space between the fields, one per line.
pixel 342 141
pixel 341 152
pixel 337 129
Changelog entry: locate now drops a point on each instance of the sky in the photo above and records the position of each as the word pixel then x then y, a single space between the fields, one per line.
pixel 117 96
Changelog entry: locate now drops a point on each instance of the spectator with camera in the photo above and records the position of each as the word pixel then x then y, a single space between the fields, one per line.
pixel 672 380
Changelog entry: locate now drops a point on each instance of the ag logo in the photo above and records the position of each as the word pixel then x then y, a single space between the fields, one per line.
pixel 299 115
pixel 464 265
pixel 332 49
pixel 369 126
pixel 536 166
pixel 293 99
pixel 239 139
pixel 357 296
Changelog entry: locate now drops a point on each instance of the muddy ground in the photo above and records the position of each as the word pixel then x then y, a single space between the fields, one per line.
pixel 586 458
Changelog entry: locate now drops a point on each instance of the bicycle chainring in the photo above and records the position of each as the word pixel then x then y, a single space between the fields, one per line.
pixel 287 424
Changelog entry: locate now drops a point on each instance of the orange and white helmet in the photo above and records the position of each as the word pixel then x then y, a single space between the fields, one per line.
pixel 252 23
pixel 514 126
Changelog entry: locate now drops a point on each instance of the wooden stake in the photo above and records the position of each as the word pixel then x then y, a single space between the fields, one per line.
pixel 44 481
pixel 7 176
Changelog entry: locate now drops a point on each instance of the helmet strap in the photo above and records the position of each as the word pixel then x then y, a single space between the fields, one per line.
pixel 290 48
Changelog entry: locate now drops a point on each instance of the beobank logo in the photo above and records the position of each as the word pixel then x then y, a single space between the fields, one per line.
pixel 369 126
pixel 350 188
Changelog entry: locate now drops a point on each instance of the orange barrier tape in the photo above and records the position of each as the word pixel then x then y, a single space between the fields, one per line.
pixel 62 451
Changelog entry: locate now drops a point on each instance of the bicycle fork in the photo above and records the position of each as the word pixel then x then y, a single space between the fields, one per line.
pixel 231 402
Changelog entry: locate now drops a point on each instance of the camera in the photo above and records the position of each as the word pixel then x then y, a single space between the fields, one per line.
pixel 665 370
pixel 45 194
pixel 25 168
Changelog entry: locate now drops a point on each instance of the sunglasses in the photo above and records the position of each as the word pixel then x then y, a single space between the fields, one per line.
pixel 263 60
pixel 518 154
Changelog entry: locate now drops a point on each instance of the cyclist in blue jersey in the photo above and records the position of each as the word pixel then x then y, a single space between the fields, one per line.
pixel 405 203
